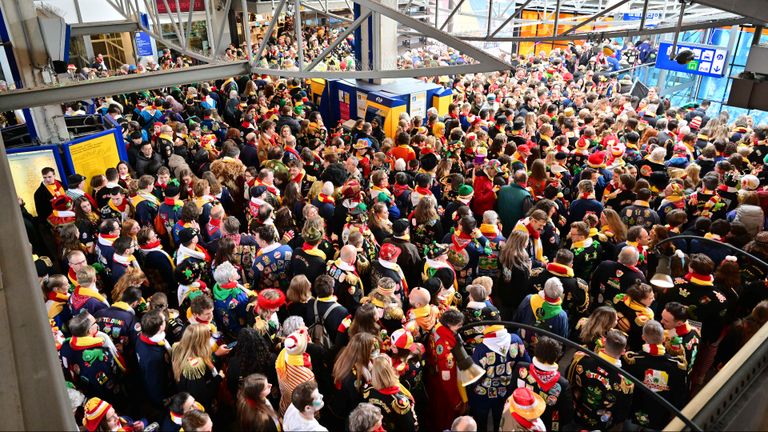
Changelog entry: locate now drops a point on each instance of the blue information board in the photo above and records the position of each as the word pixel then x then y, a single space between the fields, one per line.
pixel 650 18
pixel 144 40
pixel 708 60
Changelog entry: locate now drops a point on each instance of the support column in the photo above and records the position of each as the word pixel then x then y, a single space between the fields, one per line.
pixel 376 40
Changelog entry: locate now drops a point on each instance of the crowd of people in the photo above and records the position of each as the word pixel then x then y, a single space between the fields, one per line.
pixel 250 267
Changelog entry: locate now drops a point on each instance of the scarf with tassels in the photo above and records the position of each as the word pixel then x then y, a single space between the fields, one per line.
pixel 535 238
pixel 490 231
pixel 323 198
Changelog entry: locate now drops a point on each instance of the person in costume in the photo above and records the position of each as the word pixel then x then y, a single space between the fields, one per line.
pixel 86 295
pixel 544 309
pixel 122 259
pixel 192 361
pixel 422 314
pixel 468 244
pixel 49 189
pixel 120 323
pixel 99 415
pixel 448 397
pixel 576 297
pixel 169 212
pixel 230 300
pixel 349 286
pixel 614 277
pixel 56 291
pixel 497 354
pixel 145 202
pixel 62 212
pixel 90 360
pixel 387 393
pixel 587 252
pixel 157 263
pixel 661 372
pixel 153 353
pixel 189 248
pixel 272 261
pixel 293 365
pixel 479 308
pixel 522 411
pixel 386 266
pixel 532 226
pixel 542 377
pixel 602 398
pixel 179 405
pixel 681 339
pixel 408 362
pixel 118 207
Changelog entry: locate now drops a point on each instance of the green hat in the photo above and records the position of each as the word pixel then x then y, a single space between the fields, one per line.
pixel 383 197
pixel 465 191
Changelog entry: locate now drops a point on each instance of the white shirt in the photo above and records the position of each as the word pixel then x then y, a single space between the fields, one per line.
pixel 294 421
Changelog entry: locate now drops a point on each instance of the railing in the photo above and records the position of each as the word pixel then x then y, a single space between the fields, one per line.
pixel 722 391
pixel 679 416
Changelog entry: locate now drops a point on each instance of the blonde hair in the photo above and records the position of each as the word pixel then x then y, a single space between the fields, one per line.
pixel 617 226
pixel 486 282
pixel 383 374
pixel 195 343
pixel 132 277
pixel 299 290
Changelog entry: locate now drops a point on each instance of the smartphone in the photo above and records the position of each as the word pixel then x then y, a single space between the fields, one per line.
pixel 231 345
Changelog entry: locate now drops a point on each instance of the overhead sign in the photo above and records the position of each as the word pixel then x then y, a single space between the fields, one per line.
pixel 650 17
pixel 184 5
pixel 708 60
pixel 144 45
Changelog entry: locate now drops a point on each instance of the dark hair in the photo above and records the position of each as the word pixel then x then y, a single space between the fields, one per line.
pixel 701 264
pixel 176 402
pixel 451 317
pixel 131 295
pixel 640 291
pixel 364 321
pixel 564 256
pixel 323 286
pixel 677 310
pixel 252 353
pixel 266 233
pixel 152 321
pixel 548 350
pixel 302 395
pixel 201 303
pixel 122 244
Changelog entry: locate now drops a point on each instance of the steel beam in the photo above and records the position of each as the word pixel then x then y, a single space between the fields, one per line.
pixel 754 9
pixel 103 27
pixel 613 33
pixel 117 85
pixel 326 13
pixel 511 17
pixel 339 39
pixel 489 62
pixel 592 18
pixel 373 74
pixel 270 29
pixel 453 12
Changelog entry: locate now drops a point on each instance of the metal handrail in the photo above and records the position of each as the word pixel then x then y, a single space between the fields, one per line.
pixel 688 239
pixel 638 384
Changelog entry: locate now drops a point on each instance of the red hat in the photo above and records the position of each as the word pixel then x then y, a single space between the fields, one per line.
pixel 264 303
pixel 596 159
pixel 95 410
pixel 157 124
pixel 402 339
pixel 389 252
pixel 695 123
pixel 524 149
pixel 61 203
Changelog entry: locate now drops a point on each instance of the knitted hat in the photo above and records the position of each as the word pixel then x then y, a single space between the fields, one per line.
pixel 270 303
pixel 524 149
pixel 187 234
pixel 433 285
pixel 466 192
pixel 257 191
pixel 402 339
pixel 95 410
pixel 171 190
pixel 596 159
pixel 389 252
pixel 695 123
pixel 526 404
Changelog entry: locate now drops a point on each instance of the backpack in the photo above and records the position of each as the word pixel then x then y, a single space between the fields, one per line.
pixel 317 331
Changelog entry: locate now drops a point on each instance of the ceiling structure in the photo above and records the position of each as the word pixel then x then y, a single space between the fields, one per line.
pixel 464 25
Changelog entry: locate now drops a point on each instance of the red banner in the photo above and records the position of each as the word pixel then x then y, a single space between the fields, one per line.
pixel 197 5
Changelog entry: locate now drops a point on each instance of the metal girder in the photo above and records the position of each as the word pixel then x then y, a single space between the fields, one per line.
pixel 103 27
pixel 489 62
pixel 593 17
pixel 727 22
pixel 511 17
pixel 40 96
pixel 325 12
pixel 453 12
pixel 757 10
pixel 374 74
pixel 339 39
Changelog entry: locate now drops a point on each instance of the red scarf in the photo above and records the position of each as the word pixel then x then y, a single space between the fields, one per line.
pixel 560 270
pixel 150 246
pixel 460 241
pixel 120 207
pixel 533 233
pixel 423 191
pixel 699 279
pixel 57 297
pixel 523 422
pixel 147 340
pixel 228 285
pixel 400 189
pixel 545 379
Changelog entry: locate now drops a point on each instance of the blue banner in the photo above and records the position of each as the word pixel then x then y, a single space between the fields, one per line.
pixel 144 40
pixel 707 60
pixel 650 18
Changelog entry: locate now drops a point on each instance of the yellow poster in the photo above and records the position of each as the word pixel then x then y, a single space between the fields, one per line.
pixel 26 171
pixel 94 155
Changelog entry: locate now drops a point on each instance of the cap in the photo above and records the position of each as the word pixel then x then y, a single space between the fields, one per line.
pixel 435 250
pixel 402 339
pixel 187 234
pixel 172 190
pixel 466 191
pixel 399 226
pixel 389 252
pixel 257 191
pixel 188 271
pixel 75 179
pixel 524 149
